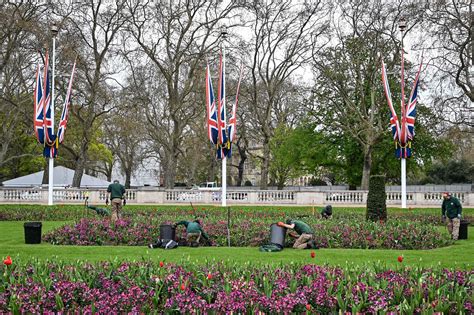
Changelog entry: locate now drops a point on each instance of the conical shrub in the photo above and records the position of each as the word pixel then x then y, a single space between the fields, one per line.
pixel 376 199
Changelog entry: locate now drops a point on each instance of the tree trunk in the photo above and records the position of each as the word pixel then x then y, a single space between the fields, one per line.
pixel 80 166
pixel 366 168
pixel 109 175
pixel 170 169
pixel 240 167
pixel 265 164
pixel 45 179
pixel 128 176
pixel 280 184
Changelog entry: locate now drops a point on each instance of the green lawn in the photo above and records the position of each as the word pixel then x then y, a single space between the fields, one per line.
pixel 12 243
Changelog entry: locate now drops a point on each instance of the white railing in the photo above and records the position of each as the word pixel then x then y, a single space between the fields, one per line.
pixel 134 196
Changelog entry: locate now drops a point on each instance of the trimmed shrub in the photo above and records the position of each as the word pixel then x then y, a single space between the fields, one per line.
pixel 376 205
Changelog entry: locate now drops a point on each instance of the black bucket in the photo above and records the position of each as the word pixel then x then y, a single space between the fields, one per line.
pixel 463 229
pixel 167 232
pixel 277 234
pixel 32 232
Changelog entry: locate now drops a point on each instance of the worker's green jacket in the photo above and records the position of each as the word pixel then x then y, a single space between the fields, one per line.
pixel 193 227
pixel 451 207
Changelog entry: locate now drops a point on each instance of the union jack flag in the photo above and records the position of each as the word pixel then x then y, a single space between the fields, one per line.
pixel 50 151
pixel 221 117
pixel 212 131
pixel 50 136
pixel 394 123
pixel 410 111
pixel 38 123
pixel 404 134
pixel 233 119
pixel 65 112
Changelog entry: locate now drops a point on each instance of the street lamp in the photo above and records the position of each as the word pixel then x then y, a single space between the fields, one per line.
pixel 402 24
pixel 224 32
pixel 54 29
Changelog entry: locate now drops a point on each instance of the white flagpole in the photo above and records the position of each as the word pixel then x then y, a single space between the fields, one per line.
pixel 402 25
pixel 224 159
pixel 54 31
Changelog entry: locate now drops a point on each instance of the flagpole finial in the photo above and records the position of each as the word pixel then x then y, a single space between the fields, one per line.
pixel 54 29
pixel 402 24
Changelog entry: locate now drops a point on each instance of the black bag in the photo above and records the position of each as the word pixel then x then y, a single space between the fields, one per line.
pixel 271 248
pixel 168 244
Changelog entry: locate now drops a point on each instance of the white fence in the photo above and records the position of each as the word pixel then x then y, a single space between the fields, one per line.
pixel 251 197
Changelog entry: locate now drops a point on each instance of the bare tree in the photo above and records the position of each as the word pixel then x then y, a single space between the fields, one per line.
pixel 348 88
pixel 449 26
pixel 91 31
pixel 125 135
pixel 19 28
pixel 280 45
pixel 175 37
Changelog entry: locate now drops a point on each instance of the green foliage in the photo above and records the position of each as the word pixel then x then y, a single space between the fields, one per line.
pixel 452 172
pixel 25 157
pixel 286 155
pixel 302 150
pixel 376 199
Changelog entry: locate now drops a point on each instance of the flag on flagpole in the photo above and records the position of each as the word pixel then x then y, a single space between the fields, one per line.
pixel 404 134
pixel 233 119
pixel 410 111
pixel 212 130
pixel 221 117
pixel 65 112
pixel 394 123
pixel 38 122
pixel 50 136
pixel 43 119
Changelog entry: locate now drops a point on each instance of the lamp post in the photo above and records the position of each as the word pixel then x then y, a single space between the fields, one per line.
pixel 224 159
pixel 54 31
pixel 402 24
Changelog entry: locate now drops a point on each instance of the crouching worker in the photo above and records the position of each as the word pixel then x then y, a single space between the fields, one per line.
pixel 194 232
pixel 326 213
pixel 304 237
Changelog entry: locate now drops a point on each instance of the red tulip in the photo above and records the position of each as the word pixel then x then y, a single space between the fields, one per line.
pixel 8 261
pixel 313 254
pixel 209 276
pixel 308 307
pixel 400 259
pixel 183 287
pixel 162 264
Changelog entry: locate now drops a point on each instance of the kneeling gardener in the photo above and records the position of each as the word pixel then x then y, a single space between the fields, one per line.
pixel 194 232
pixel 305 233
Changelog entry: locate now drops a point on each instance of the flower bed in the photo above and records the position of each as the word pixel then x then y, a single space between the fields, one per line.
pixel 114 287
pixel 250 231
pixel 74 212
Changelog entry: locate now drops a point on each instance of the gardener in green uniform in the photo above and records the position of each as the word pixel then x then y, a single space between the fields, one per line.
pixel 451 211
pixel 116 193
pixel 305 233
pixel 194 232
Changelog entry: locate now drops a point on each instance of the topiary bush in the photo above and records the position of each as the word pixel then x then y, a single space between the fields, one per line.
pixel 376 205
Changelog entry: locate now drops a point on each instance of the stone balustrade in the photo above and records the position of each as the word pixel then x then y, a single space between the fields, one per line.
pixel 250 197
